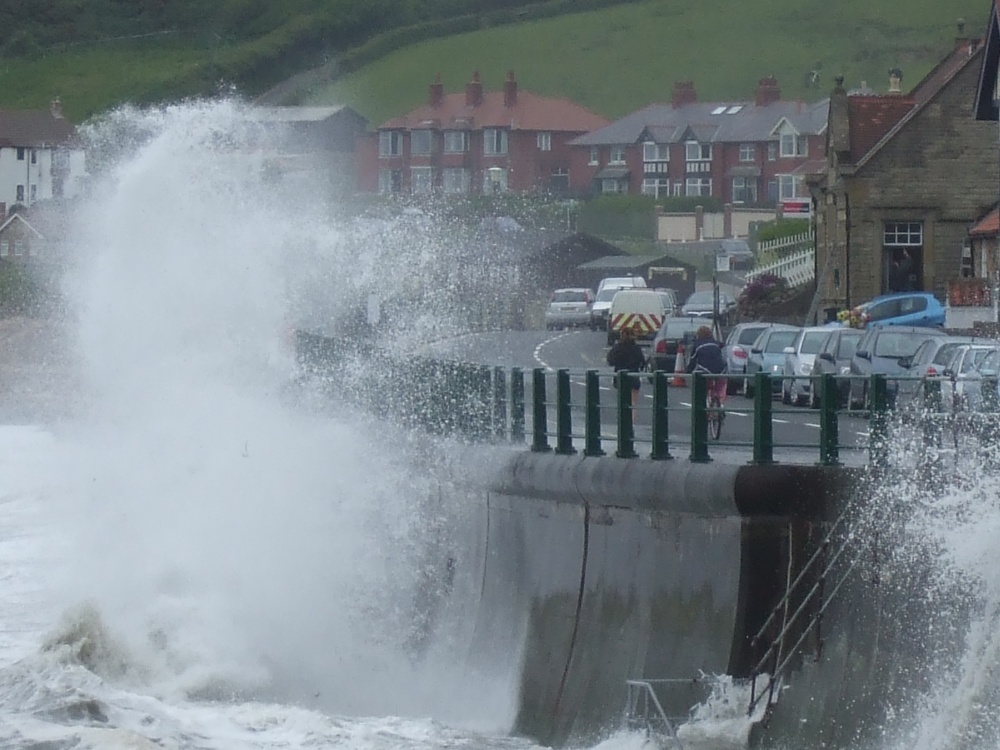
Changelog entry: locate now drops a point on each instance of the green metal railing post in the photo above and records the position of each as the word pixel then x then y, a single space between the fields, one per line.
pixel 763 426
pixel 499 403
pixel 990 416
pixel 564 415
pixel 699 419
pixel 829 437
pixel 517 405
pixel 592 439
pixel 878 420
pixel 661 419
pixel 539 413
pixel 931 421
pixel 626 436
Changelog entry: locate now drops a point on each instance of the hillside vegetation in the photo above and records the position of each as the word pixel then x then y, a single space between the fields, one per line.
pixel 378 56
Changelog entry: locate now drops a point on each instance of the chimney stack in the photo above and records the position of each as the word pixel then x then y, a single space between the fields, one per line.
pixel 56 108
pixel 768 91
pixel 895 78
pixel 436 92
pixel 474 91
pixel 684 93
pixel 510 90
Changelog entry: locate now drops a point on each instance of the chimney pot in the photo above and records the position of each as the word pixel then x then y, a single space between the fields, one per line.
pixel 684 93
pixel 474 91
pixel 895 77
pixel 56 108
pixel 436 92
pixel 768 91
pixel 510 90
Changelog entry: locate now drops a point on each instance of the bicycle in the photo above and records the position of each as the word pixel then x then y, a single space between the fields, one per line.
pixel 716 415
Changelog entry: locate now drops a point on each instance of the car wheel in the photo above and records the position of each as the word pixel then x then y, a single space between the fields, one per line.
pixel 732 385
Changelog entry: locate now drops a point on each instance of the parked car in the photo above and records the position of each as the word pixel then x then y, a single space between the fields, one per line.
pixel 767 354
pixel 673 333
pixel 702 304
pixel 670 304
pixel 961 384
pixel 834 358
pixel 737 349
pixel 606 293
pixel 799 357
pixel 569 307
pixel 904 309
pixel 989 367
pixel 879 352
pixel 929 361
pixel 638 309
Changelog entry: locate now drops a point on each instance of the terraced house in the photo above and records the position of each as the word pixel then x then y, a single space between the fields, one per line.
pixel 477 141
pixel 742 152
pixel 907 175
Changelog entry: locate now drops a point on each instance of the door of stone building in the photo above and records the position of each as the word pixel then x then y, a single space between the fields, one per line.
pixel 902 257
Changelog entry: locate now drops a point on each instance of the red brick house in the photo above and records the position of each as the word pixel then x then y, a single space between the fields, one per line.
pixel 741 152
pixel 907 175
pixel 476 141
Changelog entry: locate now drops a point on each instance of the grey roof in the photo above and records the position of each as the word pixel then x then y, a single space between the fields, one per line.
pixel 617 261
pixel 710 123
pixel 35 129
pixel 297 114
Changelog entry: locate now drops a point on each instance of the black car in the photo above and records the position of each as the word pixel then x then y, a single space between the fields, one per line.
pixel 702 305
pixel 835 359
pixel 672 333
pixel 879 352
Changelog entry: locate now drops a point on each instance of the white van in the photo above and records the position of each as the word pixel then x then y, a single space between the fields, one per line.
pixel 605 293
pixel 641 309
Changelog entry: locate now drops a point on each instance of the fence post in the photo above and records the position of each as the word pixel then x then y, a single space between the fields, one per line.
pixel 878 420
pixel 539 414
pixel 699 419
pixel 564 415
pixel 499 403
pixel 661 419
pixel 626 438
pixel 763 427
pixel 829 436
pixel 592 439
pixel 932 412
pixel 991 405
pixel 516 405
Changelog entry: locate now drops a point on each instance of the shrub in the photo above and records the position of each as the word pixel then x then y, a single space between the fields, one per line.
pixel 764 288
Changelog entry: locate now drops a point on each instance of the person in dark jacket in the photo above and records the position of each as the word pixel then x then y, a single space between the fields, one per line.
pixel 707 357
pixel 626 356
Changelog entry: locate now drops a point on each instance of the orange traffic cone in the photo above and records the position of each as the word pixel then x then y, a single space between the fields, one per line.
pixel 678 379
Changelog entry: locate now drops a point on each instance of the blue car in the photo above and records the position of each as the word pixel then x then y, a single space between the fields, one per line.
pixel 904 309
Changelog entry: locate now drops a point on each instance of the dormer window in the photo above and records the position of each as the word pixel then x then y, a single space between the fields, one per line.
pixel 694 151
pixel 793 144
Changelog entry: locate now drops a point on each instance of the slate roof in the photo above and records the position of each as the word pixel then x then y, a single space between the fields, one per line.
pixel 34 129
pixel 709 122
pixel 529 112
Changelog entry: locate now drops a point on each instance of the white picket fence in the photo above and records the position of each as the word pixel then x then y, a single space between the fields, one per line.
pixel 797 267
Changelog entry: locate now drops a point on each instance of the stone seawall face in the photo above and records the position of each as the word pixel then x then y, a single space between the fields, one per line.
pixel 594 571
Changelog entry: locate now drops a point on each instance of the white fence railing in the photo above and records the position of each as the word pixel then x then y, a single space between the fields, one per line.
pixel 796 268
pixel 782 243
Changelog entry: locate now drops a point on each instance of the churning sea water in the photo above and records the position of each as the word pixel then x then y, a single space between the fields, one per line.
pixel 193 553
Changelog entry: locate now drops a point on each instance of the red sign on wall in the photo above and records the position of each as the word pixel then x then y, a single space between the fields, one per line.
pixel 796 208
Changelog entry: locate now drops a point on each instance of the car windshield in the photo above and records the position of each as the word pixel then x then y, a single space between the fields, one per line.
pixel 701 298
pixel 607 295
pixel 677 329
pixel 778 340
pixel 813 342
pixel 990 363
pixel 569 295
pixel 894 345
pixel 749 335
pixel 973 359
pixel 847 346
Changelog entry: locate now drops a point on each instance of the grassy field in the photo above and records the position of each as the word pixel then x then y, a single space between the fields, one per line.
pixel 613 60
pixel 618 59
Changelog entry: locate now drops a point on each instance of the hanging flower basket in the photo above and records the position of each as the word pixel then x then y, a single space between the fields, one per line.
pixel 855 318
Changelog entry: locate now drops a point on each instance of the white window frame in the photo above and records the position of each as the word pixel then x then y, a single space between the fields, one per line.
pixel 4 248
pixel 695 151
pixel 421 180
pixel 421 142
pixel 494 141
pixel 698 186
pixel 772 151
pixel 544 141
pixel 456 180
pixel 794 145
pixel 617 155
pixel 456 141
pixel 790 187
pixel 655 151
pixel 19 193
pixel 658 187
pixel 747 186
pixel 611 185
pixel 501 184
pixel 748 152
pixel 18 247
pixel 595 156
pixel 390 143
pixel 903 234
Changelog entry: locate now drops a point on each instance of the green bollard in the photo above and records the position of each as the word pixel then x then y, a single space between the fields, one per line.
pixel 517 406
pixel 699 419
pixel 564 415
pixel 763 426
pixel 592 439
pixel 878 421
pixel 661 418
pixel 829 426
pixel 626 437
pixel 540 417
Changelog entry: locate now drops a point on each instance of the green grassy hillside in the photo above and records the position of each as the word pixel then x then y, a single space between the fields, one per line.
pixel 617 59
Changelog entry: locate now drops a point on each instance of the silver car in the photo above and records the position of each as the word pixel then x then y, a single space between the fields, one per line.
pixel 799 358
pixel 568 308
pixel 737 350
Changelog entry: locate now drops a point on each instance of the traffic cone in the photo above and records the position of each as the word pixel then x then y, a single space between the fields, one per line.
pixel 678 380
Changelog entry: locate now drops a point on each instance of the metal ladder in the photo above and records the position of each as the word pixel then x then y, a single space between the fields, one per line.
pixel 643 712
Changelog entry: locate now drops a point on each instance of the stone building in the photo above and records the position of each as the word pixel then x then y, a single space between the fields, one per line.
pixel 906 176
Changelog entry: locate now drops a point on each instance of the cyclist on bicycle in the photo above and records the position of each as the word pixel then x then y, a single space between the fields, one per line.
pixel 707 357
